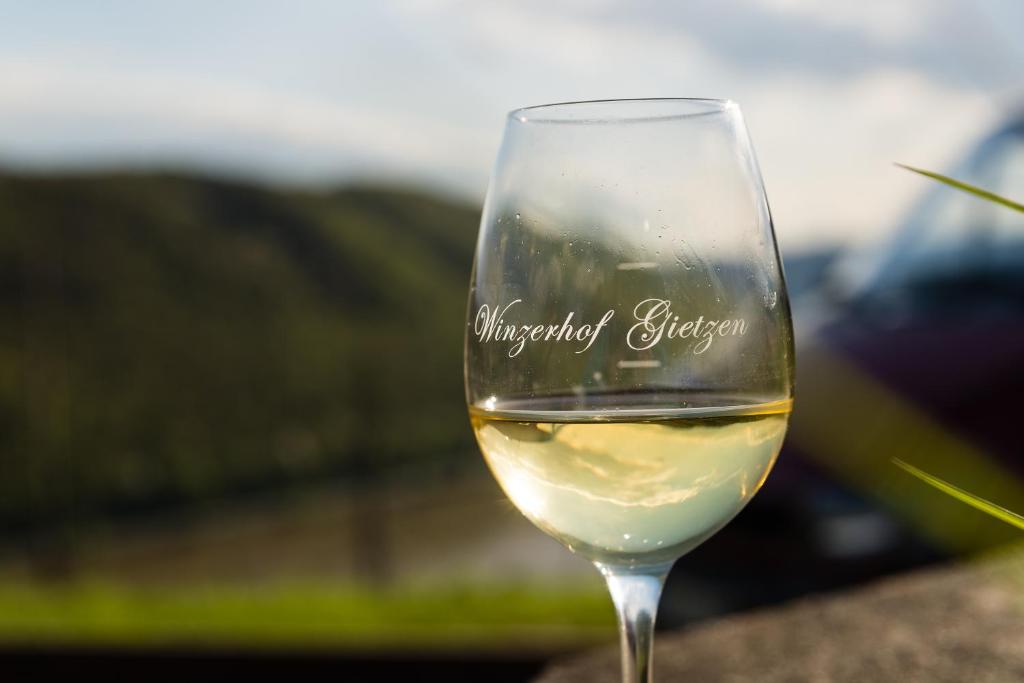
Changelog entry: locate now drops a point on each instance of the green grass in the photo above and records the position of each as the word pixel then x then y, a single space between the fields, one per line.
pixel 977 502
pixel 304 615
pixel 967 187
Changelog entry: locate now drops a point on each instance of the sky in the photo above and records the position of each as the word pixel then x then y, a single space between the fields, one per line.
pixel 414 92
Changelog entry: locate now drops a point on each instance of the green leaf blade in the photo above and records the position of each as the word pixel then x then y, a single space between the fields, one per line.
pixel 966 187
pixel 988 507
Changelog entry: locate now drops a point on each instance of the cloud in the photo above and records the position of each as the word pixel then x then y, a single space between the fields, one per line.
pixel 951 40
pixel 826 138
pixel 827 151
pixel 833 92
pixel 58 108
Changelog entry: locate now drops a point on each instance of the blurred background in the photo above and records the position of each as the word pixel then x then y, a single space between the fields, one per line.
pixel 235 241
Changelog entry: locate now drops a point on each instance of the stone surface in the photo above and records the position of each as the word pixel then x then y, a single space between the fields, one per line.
pixel 961 623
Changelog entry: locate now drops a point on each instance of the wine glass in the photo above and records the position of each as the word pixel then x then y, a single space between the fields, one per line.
pixel 629 349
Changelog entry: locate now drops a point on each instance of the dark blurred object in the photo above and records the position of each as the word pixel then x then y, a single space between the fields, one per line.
pixel 913 351
pixel 166 664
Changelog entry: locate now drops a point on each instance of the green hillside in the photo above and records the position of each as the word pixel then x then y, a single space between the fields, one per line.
pixel 168 340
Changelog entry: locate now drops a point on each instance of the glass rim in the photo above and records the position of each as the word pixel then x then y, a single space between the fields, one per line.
pixel 651 109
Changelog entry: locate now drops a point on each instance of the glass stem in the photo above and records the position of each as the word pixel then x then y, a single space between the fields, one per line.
pixel 635 593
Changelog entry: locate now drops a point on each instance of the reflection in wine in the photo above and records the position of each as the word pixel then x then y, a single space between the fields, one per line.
pixel 644 486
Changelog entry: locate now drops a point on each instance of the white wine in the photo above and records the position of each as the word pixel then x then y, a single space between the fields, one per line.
pixel 636 484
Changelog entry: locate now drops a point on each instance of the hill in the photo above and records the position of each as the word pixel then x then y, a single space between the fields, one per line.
pixel 168 339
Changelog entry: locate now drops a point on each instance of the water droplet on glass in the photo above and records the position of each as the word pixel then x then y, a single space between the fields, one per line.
pixel 684 254
pixel 518 216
